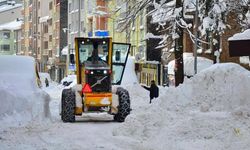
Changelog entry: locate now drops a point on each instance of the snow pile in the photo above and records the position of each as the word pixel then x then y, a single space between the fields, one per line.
pixel 209 111
pixel 69 81
pixel 129 76
pixel 202 63
pixel 226 87
pixel 21 99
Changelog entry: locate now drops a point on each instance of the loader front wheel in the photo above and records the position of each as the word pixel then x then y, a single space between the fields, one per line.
pixel 68 106
pixel 124 105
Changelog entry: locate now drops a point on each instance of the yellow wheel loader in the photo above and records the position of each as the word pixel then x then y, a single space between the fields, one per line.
pixel 100 63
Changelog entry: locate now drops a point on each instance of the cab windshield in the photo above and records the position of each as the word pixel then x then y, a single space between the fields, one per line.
pixel 86 51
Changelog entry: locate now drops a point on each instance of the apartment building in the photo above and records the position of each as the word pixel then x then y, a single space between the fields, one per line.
pixel 11 9
pixel 43 37
pixel 86 18
pixel 10 38
pixel 10 27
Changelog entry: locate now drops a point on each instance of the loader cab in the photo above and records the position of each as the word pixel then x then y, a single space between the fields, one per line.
pixel 101 52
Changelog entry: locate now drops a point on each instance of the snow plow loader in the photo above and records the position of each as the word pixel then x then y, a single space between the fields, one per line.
pixel 100 65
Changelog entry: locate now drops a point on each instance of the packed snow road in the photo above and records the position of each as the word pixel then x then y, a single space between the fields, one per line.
pixel 208 111
pixel 93 131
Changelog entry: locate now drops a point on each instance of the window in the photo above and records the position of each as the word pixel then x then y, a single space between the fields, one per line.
pixel 70 7
pixel 86 51
pixel 50 53
pixel 50 5
pixel 82 26
pixel 69 27
pixel 30 17
pixel 90 6
pixel 5 47
pixel 76 5
pixel 46 45
pixel 119 58
pixel 6 35
pixel 45 28
pixel 30 32
pixel 50 21
pixel 50 38
pixel 82 4
pixel 141 20
pixel 38 5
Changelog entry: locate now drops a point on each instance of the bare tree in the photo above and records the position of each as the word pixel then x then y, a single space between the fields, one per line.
pixel 169 15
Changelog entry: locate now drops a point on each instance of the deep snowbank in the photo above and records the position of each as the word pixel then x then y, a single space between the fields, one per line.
pixel 21 99
pixel 209 111
pixel 129 76
pixel 188 59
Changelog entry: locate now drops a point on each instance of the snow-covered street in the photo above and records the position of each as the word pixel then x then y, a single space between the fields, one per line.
pixel 125 75
pixel 206 112
pixel 58 135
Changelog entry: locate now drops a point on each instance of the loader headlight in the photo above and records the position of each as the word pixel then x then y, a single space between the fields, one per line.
pixel 105 71
pixel 92 72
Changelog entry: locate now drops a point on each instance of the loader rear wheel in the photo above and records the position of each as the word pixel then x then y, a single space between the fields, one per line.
pixel 68 106
pixel 124 105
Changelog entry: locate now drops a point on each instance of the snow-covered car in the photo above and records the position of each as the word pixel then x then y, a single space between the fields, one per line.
pixel 21 98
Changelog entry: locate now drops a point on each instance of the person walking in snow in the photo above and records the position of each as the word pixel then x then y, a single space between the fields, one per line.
pixel 153 89
pixel 46 82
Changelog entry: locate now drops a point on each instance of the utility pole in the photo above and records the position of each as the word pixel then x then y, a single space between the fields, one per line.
pixel 196 37
pixel 178 51
pixel 79 18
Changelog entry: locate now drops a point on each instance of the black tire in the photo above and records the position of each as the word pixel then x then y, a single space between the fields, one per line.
pixel 124 105
pixel 68 106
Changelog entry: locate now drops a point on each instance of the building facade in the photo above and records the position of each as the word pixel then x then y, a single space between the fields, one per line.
pixel 10 27
pixel 42 34
pixel 11 9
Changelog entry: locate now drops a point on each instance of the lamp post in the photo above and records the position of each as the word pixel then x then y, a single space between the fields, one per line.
pixel 196 37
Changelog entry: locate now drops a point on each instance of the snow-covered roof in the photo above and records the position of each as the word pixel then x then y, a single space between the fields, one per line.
pixel 241 36
pixel 9 7
pixel 14 25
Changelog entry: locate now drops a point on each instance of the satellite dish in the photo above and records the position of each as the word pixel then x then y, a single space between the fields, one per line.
pixel 138 56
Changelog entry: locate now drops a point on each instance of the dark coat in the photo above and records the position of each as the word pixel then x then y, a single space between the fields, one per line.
pixel 154 91
pixel 47 82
